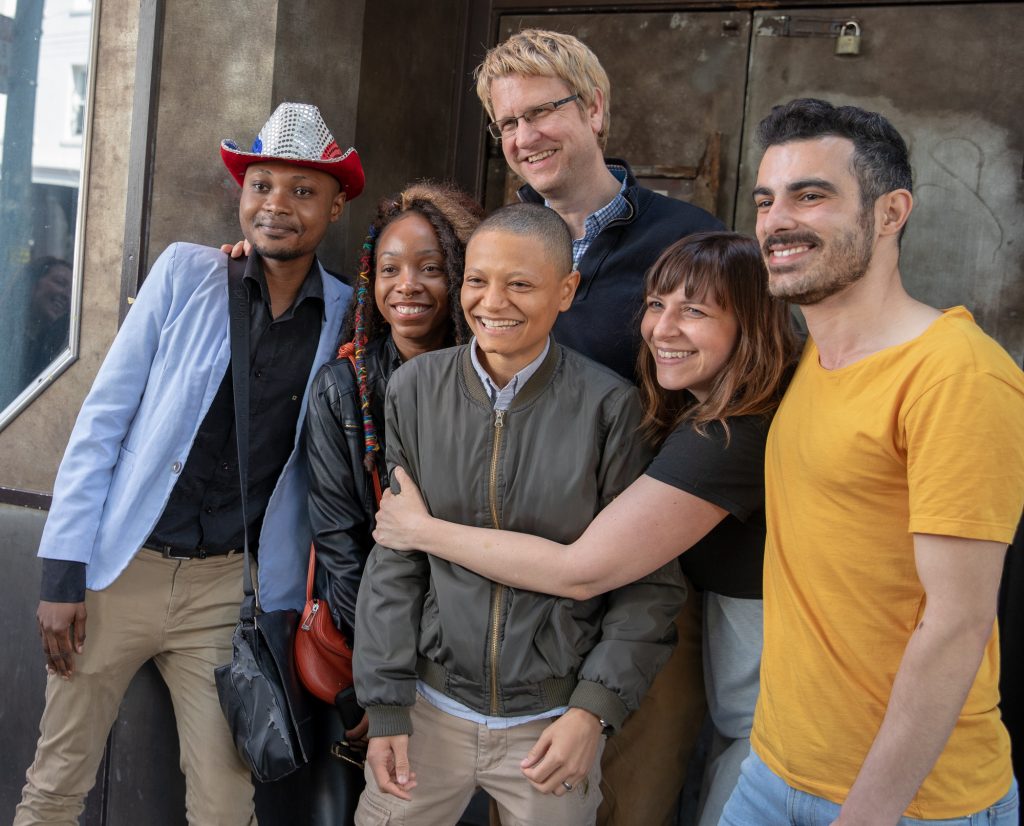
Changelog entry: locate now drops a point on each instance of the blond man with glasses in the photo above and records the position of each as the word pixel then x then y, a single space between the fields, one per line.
pixel 549 100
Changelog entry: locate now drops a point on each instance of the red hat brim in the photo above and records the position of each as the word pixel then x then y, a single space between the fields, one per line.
pixel 348 170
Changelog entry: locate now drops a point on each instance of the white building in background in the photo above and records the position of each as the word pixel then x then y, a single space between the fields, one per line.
pixel 59 122
pixel 60 99
pixel 39 217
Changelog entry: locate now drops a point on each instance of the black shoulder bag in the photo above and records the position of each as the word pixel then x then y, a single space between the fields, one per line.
pixel 267 709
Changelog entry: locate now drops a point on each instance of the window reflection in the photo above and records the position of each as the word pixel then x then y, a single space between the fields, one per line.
pixel 46 333
pixel 44 68
pixel 79 76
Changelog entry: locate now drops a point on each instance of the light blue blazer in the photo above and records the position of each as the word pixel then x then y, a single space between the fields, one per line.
pixel 137 425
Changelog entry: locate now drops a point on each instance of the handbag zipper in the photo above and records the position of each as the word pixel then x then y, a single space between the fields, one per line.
pixel 312 615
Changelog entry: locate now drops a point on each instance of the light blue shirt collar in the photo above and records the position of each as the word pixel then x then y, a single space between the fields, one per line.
pixel 501 397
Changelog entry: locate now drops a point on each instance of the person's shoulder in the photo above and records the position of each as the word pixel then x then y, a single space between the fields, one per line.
pixel 334 285
pixel 184 261
pixel 436 360
pixel 335 376
pixel 427 367
pixel 675 216
pixel 179 272
pixel 577 364
pixel 586 376
pixel 955 345
pixel 734 434
pixel 185 253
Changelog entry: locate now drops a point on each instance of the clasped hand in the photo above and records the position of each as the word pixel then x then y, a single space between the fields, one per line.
pixel 401 516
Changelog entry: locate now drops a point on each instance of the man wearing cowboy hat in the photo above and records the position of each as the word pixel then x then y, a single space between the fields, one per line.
pixel 143 534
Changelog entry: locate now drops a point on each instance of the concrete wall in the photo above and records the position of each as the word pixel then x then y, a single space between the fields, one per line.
pixel 225 67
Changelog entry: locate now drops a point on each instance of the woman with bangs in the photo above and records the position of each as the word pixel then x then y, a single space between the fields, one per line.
pixel 719 352
pixel 406 302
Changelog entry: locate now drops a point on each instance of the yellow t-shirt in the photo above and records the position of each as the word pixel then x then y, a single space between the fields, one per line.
pixel 923 437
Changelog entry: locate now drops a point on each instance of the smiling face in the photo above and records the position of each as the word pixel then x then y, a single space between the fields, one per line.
pixel 285 209
pixel 816 237
pixel 410 284
pixel 51 297
pixel 690 339
pixel 557 151
pixel 511 294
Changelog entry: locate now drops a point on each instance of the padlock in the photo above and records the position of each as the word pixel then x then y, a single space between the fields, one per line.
pixel 848 44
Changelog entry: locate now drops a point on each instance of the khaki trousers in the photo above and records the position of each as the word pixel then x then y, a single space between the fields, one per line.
pixel 644 765
pixel 452 757
pixel 181 614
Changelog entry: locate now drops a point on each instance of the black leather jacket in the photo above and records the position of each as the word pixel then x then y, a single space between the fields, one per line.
pixel 341 505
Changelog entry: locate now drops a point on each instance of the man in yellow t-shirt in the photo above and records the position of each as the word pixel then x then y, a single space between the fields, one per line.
pixel 895 479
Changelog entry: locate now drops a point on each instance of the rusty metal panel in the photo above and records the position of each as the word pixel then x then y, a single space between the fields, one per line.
pixel 677 98
pixel 945 78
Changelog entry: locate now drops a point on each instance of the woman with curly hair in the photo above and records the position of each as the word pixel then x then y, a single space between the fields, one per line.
pixel 406 302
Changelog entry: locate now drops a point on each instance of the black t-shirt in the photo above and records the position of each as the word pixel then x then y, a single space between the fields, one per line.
pixel 730 559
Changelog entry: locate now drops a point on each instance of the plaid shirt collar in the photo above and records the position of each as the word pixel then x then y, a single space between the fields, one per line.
pixel 597 221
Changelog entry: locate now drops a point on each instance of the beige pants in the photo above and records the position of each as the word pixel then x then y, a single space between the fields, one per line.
pixel 452 757
pixel 181 614
pixel 644 765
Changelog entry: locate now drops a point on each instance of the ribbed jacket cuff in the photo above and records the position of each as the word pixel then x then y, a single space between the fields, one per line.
pixel 388 721
pixel 599 701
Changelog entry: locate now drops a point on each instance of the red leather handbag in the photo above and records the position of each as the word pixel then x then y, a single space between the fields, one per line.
pixel 323 657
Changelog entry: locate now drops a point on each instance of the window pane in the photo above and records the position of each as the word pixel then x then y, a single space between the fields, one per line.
pixel 44 55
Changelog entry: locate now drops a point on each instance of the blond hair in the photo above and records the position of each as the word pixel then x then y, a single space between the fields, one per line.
pixel 542 53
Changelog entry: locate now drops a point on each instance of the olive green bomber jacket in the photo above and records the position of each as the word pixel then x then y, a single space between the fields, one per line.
pixel 567 445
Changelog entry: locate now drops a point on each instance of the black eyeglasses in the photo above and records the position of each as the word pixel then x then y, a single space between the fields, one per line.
pixel 506 127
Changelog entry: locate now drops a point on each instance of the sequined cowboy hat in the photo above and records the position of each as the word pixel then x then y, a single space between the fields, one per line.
pixel 297 134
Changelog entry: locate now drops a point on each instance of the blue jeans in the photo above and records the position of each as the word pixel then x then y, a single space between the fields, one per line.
pixel 762 798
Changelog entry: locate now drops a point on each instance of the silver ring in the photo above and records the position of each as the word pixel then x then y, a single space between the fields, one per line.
pixel 568 786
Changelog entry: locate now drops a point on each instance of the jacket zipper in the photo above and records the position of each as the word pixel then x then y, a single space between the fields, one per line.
pixel 499 590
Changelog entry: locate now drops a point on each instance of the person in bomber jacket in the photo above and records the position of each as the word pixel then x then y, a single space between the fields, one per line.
pixel 550 98
pixel 503 688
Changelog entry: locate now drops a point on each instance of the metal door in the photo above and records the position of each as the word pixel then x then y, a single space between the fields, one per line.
pixel 945 76
pixel 677 84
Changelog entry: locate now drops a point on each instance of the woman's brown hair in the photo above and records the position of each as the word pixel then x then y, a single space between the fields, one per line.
pixel 727 267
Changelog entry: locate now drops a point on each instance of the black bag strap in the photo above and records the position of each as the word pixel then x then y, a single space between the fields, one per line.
pixel 238 302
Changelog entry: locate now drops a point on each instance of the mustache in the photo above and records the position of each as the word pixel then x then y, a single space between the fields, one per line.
pixel 797 237
pixel 275 225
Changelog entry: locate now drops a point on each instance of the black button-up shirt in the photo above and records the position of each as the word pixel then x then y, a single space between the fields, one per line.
pixel 205 507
